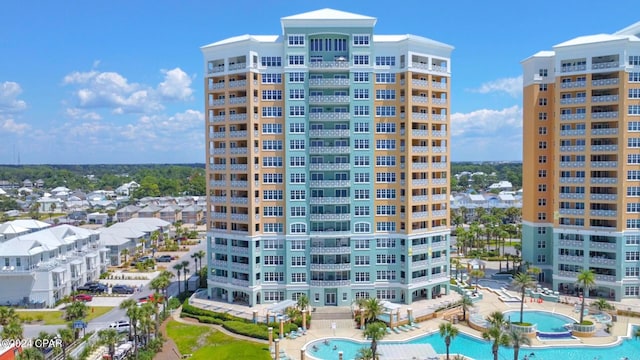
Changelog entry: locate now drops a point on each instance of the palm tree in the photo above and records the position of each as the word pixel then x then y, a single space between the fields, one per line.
pixel 67 336
pixel 364 353
pixel 6 314
pixel 476 274
pixel 178 269
pixel 13 330
pixel 586 279
pixel 185 271
pixel 448 332
pixel 124 252
pixel 455 262
pixel 466 304
pixel 517 338
pixel 602 305
pixel 522 282
pixel 496 332
pixel 197 258
pixel 109 338
pixel 43 335
pixel 159 284
pixel 375 331
pixel 372 309
pixel 30 354
pixel 132 311
pixel 145 321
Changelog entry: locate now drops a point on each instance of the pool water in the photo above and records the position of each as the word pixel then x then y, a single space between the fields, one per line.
pixel 481 350
pixel 546 321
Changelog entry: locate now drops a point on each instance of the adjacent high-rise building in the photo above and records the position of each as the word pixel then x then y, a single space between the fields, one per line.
pixel 582 163
pixel 327 151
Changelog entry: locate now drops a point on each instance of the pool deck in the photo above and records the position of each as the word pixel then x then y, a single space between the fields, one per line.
pixel 490 303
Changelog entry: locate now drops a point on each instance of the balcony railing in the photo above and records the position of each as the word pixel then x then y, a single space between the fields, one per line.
pixel 439 213
pixel 572 148
pixel 571 243
pixel 609 131
pixel 419 116
pixel 237 66
pixel 602 261
pixel 438 133
pixel 238 117
pixel 603 213
pixel 573 84
pixel 238 100
pixel 330 183
pixel 571 195
pixel 329 217
pixel 216 118
pixel 605 65
pixel 438 85
pixel 329 283
pixel 604 115
pixel 237 83
pixel 439 101
pixel 438 197
pixel 571 212
pixel 571 180
pixel 329 99
pixel 328 65
pixel 328 82
pixel 329 200
pixel 570 164
pixel 579 116
pixel 439 149
pixel 604 180
pixel 419 83
pixel 419 133
pixel 573 68
pixel 419 198
pixel 420 182
pixel 571 259
pixel 420 99
pixel 604 98
pixel 606 197
pixel 572 132
pixel 330 166
pixel 319 150
pixel 329 116
pixel 330 267
pixel 238 134
pixel 440 181
pixel 321 250
pixel 329 133
pixel 577 100
pixel 604 147
pixel 602 245
pixel 439 165
pixel 420 149
pixel 421 214
pixel 604 164
pixel 420 166
pixel 604 82
pixel 438 117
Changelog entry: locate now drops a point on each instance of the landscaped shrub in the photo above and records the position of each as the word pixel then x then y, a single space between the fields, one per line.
pixel 251 330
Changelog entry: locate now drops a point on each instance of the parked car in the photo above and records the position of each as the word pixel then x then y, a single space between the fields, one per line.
pixel 93 287
pixel 83 297
pixel 122 289
pixel 141 260
pixel 164 258
pixel 120 326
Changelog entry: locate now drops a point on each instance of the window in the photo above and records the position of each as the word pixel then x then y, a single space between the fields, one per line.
pixel 361 178
pixel 632 255
pixel 633 159
pixel 298 194
pixel 361 211
pixel 633 207
pixel 296 40
pixel 385 61
pixel 361 77
pixel 273 260
pixel 542 101
pixel 360 40
pixel 362 244
pixel 363 277
pixel 299 277
pixel 386 275
pixel 541 244
pixel 542 87
pixel 360 127
pixel 385 193
pixel 360 160
pixel 272 78
pixel 361 110
pixel 296 94
pixel 542 202
pixel 385 210
pixel 633 126
pixel 271 144
pixel 633 175
pixel 542 130
pixel 633 223
pixel 633 142
pixel 386 226
pixel 297 261
pixel 297 178
pixel 385 161
pixel 385 78
pixel 296 144
pixel 296 60
pixel 543 72
pixel 542 173
pixel 271 61
pixel 385 259
pixel 634 60
pixel 542 145
pixel 361 194
pixel 360 59
pixel 385 111
pixel 296 128
pixel 296 77
pixel 542 259
pixel 385 144
pixel 542 216
pixel 362 228
pixel 297 161
pixel 272 111
pixel 542 116
pixel 388 177
pixel 385 243
pixel 273 244
pixel 634 77
pixel 634 93
pixel 633 191
pixel 542 187
pixel 634 110
pixel 362 260
pixel 272 161
pixel 298 228
pixel 277 228
pixel 272 195
pixel 272 128
pixel 541 230
pixel 270 276
pixel 385 128
pixel 272 211
pixel 632 271
pixel 386 94
pixel 542 159
pixel 361 144
pixel 296 110
pixel 633 290
pixel 386 294
pixel 361 94
pixel 632 240
pixel 298 245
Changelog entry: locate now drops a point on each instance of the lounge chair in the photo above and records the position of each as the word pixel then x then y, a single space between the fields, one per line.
pixel 388 330
pixel 415 325
pixel 395 330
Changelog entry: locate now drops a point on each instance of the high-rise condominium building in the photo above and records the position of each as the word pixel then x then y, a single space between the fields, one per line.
pixel 327 163
pixel 582 163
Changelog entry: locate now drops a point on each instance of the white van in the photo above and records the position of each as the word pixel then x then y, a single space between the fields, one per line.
pixel 120 326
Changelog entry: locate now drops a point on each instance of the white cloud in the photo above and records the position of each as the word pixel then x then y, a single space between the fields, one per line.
pixel 81 114
pixel 486 121
pixel 10 126
pixel 176 85
pixel 511 86
pixel 9 102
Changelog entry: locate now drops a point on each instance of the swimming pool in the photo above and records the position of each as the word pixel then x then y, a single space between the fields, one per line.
pixel 480 349
pixel 546 321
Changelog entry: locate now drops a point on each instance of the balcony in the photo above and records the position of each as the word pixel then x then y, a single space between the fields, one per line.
pixel 217 102
pixel 239 183
pixel 571 195
pixel 239 151
pixel 438 85
pixel 607 148
pixel 572 148
pixel 606 197
pixel 439 101
pixel 240 217
pixel 570 164
pixel 217 69
pixel 329 116
pixel 580 132
pixel 569 180
pixel 330 283
pixel 218 199
pixel 605 65
pixel 329 65
pixel 331 133
pixel 238 117
pixel 237 83
pixel 603 213
pixel 240 250
pixel 218 216
pixel 573 84
pixel 438 133
pixel 419 215
pixel 219 248
pixel 604 98
pixel 419 264
pixel 571 243
pixel 438 117
pixel 216 118
pixel 604 164
pixel 320 150
pixel 604 180
pixel 419 83
pixel 329 200
pixel 420 182
pixel 330 267
pixel 571 259
pixel 321 250
pixel 328 99
pixel 419 133
pixel 576 100
pixel 217 135
pixel 419 116
pixel 420 99
pixel 329 217
pixel 238 134
pixel 438 197
pixel 608 278
pixel 331 83
pixel 605 115
pixel 240 267
pixel 605 82
pixel 580 116
pixel 237 66
pixel 330 183
pixel 218 183
pixel 609 131
pixel 218 167
pixel 239 200
pixel 239 167
pixel 574 212
pixel 573 68
pixel 243 283
pixel 440 181
pixel 439 213
pixel 420 198
pixel 439 165
pixel 602 245
pixel 419 166
pixel 330 166
pixel 439 149
pixel 218 279
pixel 420 149
pixel 238 100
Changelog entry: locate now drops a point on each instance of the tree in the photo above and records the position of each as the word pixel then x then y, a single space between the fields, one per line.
pixel 109 338
pixel 496 333
pixel 30 354
pixel 586 279
pixel 132 310
pixel 448 332
pixel 466 304
pixel 52 209
pixel 178 269
pixel 517 338
pixel 375 331
pixel 159 284
pixel 13 330
pixel 185 271
pixel 6 314
pixel 364 353
pixel 67 336
pixel 372 309
pixel 455 262
pixel 476 274
pixel 124 253
pixel 197 258
pixel 303 302
pixel 602 305
pixel 522 282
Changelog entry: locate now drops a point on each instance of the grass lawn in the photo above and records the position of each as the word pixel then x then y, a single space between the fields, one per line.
pixel 56 317
pixel 206 343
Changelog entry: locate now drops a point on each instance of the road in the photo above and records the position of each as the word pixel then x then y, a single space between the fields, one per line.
pixel 32 331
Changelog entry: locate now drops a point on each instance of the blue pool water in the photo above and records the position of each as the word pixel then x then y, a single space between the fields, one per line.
pixel 546 321
pixel 481 350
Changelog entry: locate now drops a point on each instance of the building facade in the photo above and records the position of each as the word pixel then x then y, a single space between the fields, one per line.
pixel 327 163
pixel 582 163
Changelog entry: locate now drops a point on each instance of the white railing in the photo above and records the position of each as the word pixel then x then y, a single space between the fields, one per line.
pixel 419 116
pixel 604 98
pixel 604 147
pixel 607 213
pixel 605 65
pixel 603 82
pixel 331 133
pixel 329 82
pixel 237 66
pixel 608 197
pixel 329 200
pixel 237 83
pixel 329 217
pixel 238 117
pixel 573 84
pixel 329 65
pixel 572 132
pixel 242 133
pixel 317 150
pixel 330 166
pixel 577 100
pixel 580 116
pixel 604 163
pixel 329 116
pixel 334 267
pixel 330 183
pixel 420 83
pixel 604 115
pixel 609 131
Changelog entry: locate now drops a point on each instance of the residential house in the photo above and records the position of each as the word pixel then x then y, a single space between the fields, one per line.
pixel 127 213
pixel 150 211
pixel 171 213
pixel 127 189
pixel 192 214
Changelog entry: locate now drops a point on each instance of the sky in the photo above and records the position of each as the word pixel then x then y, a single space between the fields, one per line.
pixel 121 82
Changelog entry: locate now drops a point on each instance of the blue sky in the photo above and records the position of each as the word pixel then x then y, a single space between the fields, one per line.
pixel 84 82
